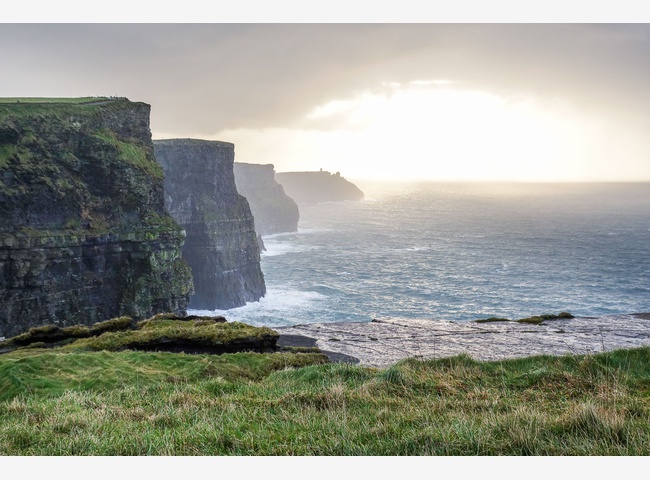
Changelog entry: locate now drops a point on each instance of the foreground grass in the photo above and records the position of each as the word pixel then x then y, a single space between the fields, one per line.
pixel 130 403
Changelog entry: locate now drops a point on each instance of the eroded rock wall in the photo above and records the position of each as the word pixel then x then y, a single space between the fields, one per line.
pixel 221 246
pixel 273 210
pixel 84 234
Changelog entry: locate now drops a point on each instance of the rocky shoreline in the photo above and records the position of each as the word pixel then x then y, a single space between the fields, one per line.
pixel 383 342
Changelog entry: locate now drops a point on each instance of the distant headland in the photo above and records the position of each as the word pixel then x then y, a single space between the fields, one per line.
pixel 316 187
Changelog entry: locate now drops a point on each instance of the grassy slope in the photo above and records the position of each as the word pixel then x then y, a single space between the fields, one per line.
pixel 128 403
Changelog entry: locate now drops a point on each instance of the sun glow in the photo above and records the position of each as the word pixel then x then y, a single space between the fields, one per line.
pixel 433 130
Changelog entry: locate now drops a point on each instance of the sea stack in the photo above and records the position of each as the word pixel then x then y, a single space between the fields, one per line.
pixel 274 211
pixel 221 245
pixel 84 234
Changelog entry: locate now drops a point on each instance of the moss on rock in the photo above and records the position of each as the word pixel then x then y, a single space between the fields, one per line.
pixel 84 234
pixel 162 332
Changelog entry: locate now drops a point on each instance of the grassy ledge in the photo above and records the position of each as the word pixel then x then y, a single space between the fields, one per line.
pixel 163 332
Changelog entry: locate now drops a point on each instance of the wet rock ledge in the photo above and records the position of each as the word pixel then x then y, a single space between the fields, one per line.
pixel 383 342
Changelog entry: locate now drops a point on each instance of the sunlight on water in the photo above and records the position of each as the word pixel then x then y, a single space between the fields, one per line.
pixel 460 252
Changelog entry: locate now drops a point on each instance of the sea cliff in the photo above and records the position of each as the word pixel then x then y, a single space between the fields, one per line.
pixel 274 211
pixel 316 187
pixel 84 235
pixel 221 246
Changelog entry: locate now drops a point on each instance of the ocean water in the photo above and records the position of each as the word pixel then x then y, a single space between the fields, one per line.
pixel 460 252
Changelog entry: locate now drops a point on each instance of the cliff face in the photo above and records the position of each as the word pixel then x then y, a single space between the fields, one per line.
pixel 84 235
pixel 221 246
pixel 273 210
pixel 315 187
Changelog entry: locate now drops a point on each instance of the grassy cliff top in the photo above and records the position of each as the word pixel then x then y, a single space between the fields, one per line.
pixel 75 100
pixel 197 142
pixel 28 107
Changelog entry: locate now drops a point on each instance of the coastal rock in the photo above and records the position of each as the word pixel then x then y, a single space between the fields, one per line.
pixel 383 342
pixel 84 235
pixel 273 210
pixel 316 187
pixel 260 243
pixel 221 246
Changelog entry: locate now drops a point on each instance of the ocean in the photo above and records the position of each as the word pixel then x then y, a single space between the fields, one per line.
pixel 459 252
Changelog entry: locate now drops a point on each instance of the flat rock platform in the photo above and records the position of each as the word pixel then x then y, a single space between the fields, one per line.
pixel 383 342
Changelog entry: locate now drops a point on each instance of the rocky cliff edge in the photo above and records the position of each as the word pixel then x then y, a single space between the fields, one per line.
pixel 84 235
pixel 221 247
pixel 273 210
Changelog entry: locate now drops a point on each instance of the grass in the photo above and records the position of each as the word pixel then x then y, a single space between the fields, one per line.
pixel 134 155
pixel 162 332
pixel 193 332
pixel 135 403
pixel 74 100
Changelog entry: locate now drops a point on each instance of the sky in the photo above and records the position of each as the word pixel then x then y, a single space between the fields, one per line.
pixel 386 101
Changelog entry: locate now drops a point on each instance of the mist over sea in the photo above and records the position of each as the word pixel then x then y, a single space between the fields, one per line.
pixel 460 252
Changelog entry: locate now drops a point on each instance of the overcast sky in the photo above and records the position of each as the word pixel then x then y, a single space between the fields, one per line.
pixel 302 96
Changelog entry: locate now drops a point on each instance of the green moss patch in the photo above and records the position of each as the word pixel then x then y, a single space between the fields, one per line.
pixel 492 319
pixel 536 320
pixel 542 318
pixel 157 333
pixel 134 155
pixel 163 332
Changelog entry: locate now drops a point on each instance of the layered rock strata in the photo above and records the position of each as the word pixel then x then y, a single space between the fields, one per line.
pixel 316 187
pixel 221 246
pixel 274 211
pixel 84 235
pixel 381 343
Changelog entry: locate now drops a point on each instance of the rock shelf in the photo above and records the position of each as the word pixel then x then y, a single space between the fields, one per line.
pixel 383 342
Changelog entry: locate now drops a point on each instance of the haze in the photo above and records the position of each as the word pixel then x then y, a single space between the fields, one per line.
pixel 484 102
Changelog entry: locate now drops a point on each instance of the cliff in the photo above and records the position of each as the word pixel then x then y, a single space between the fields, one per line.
pixel 221 246
pixel 273 210
pixel 84 235
pixel 315 187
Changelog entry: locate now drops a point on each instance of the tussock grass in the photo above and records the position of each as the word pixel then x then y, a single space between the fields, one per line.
pixel 134 403
pixel 160 332
pixel 153 332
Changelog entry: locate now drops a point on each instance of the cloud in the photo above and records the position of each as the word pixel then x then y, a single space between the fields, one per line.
pixel 204 78
pixel 427 83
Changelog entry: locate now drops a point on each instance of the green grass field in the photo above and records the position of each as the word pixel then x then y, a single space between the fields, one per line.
pixel 136 403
